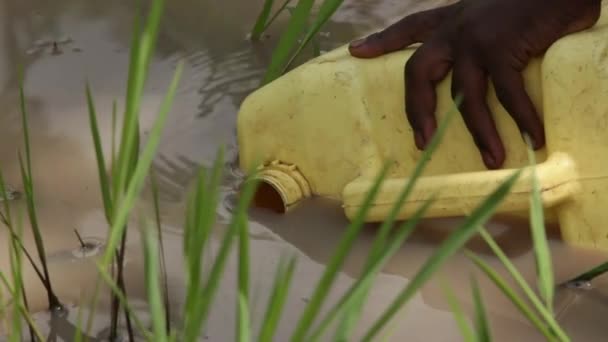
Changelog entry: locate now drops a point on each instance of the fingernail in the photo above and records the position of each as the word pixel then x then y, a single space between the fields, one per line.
pixel 427 132
pixel 357 43
pixel 420 144
pixel 488 159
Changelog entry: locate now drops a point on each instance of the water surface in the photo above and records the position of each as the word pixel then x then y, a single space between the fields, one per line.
pixel 63 43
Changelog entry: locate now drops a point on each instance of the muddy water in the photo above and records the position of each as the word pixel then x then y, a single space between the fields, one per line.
pixel 91 43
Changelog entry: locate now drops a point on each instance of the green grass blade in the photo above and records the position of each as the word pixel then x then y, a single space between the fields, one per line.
pixel 276 14
pixel 7 208
pixel 481 319
pixel 358 291
pixel 16 331
pixel 513 297
pixel 278 296
pixel 194 245
pixel 206 217
pixel 380 241
pixel 459 315
pixel 203 302
pixel 3 306
pixel 28 183
pixel 194 235
pixel 26 130
pixel 334 265
pixel 200 220
pixel 123 207
pixel 202 212
pixel 104 183
pixel 195 206
pixel 141 52
pixel 243 277
pixel 16 269
pixel 519 279
pixel 349 317
pixel 260 23
pixel 153 287
pixel 26 311
pixel 453 243
pixel 107 278
pixel 78 333
pixel 127 140
pixel 38 241
pixel 91 317
pixel 546 283
pixel 189 222
pixel 121 213
pixel 15 335
pixel 591 274
pixel 244 332
pixel 18 290
pixel 135 152
pixel 327 9
pixel 289 38
pixel 163 267
pixel 7 219
pixel 113 148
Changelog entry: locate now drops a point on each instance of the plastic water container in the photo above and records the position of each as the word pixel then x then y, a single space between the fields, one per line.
pixel 327 127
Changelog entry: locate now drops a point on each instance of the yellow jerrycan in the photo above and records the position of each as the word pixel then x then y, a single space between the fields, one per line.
pixel 327 128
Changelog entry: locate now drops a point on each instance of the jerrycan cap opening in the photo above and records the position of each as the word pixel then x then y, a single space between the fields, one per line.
pixel 282 186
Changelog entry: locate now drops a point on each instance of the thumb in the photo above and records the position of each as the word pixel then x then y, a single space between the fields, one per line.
pixel 414 28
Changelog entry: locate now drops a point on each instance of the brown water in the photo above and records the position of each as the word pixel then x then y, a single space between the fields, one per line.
pixel 221 68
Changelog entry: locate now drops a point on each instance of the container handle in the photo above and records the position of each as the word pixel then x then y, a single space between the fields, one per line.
pixel 458 194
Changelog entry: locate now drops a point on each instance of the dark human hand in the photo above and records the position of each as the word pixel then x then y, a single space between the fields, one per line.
pixel 477 40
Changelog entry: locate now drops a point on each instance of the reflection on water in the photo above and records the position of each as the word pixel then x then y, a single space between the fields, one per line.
pixel 63 43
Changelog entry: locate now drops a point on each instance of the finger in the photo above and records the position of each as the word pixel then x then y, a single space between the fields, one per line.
pixel 469 81
pixel 412 29
pixel 427 67
pixel 511 93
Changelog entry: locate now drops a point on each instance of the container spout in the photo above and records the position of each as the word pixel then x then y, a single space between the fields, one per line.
pixel 281 187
